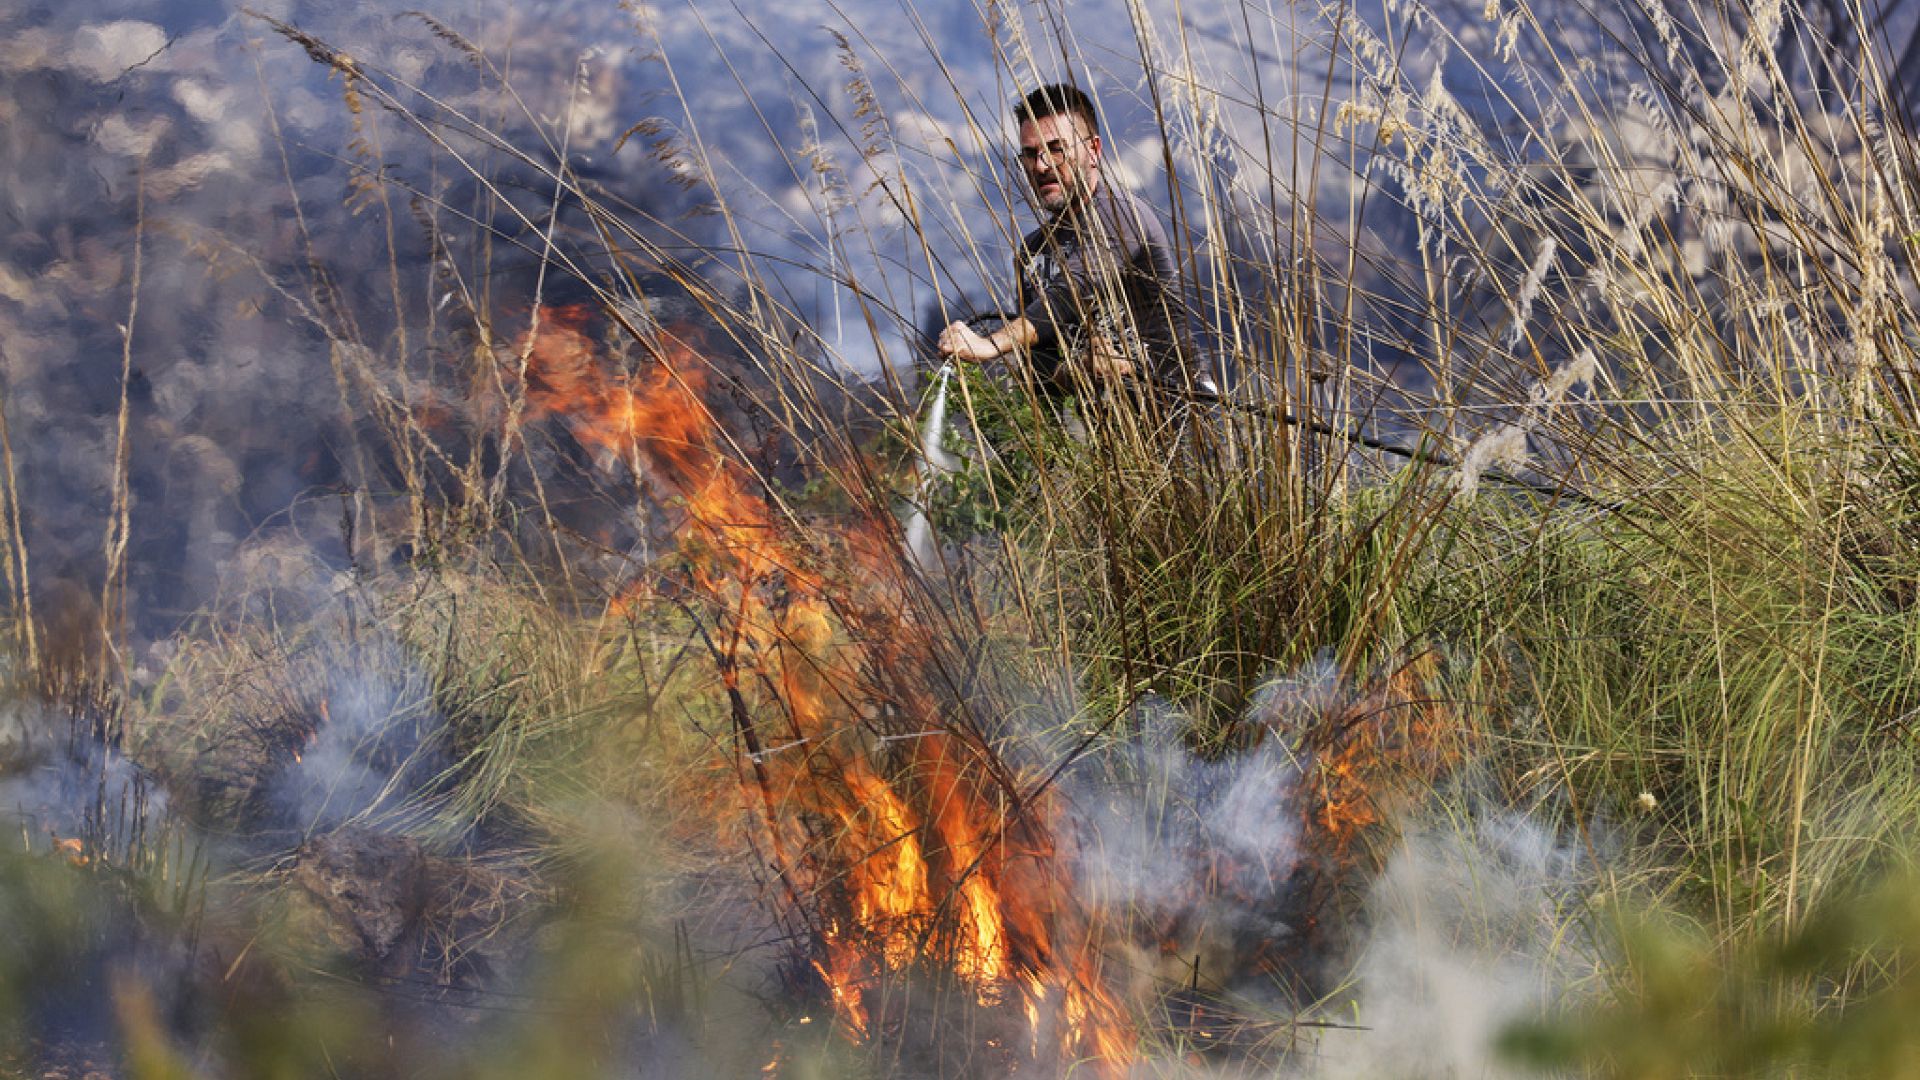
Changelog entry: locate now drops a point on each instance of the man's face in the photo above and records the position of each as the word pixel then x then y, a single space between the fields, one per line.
pixel 1061 156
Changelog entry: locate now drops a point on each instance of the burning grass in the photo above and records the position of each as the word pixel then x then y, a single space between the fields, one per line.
pixel 931 855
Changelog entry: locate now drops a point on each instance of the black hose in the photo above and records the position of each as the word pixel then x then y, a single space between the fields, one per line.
pixel 1356 437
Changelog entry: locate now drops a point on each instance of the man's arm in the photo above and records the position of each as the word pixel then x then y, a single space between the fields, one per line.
pixel 962 342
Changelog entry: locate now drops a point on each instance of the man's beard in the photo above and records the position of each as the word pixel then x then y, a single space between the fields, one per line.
pixel 1065 196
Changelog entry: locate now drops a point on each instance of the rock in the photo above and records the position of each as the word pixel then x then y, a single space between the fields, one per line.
pixel 372 887
pixel 399 911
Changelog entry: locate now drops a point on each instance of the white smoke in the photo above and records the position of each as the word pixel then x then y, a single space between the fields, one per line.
pixel 1189 858
pixel 375 751
pixel 61 781
pixel 1472 924
pixel 1475 925
pixel 1147 837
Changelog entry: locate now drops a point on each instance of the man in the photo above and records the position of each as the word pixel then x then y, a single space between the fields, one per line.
pixel 1099 299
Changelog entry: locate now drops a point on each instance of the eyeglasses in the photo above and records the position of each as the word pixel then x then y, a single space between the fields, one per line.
pixel 1055 153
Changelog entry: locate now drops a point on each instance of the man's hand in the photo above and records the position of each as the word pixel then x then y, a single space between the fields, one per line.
pixel 1105 362
pixel 962 342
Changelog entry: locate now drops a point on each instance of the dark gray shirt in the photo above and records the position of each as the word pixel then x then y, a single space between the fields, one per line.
pixel 1105 269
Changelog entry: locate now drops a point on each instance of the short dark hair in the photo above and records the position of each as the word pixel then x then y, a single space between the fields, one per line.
pixel 1056 99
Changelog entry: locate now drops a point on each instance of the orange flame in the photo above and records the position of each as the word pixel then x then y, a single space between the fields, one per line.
pixel 73 849
pixel 918 867
pixel 1364 753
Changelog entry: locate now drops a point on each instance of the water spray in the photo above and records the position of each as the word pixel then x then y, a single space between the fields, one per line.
pixel 935 462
